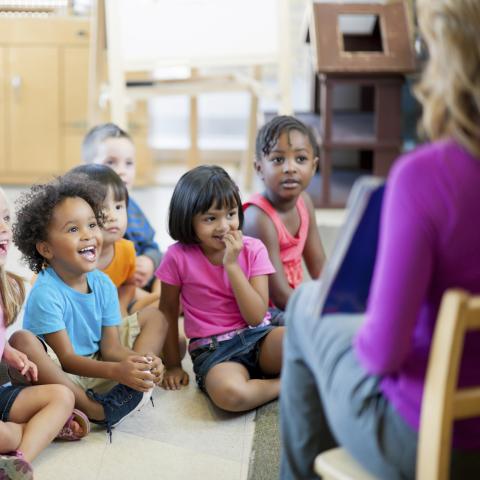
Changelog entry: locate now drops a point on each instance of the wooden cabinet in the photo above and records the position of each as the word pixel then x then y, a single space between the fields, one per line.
pixel 43 96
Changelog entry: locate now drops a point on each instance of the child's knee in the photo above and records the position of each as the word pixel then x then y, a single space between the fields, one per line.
pixel 62 395
pixel 154 319
pixel 24 341
pixel 231 397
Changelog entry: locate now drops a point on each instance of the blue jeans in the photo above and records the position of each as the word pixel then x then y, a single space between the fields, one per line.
pixel 327 399
pixel 242 348
pixel 8 395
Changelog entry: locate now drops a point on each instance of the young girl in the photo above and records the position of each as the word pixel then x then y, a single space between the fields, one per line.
pixel 221 278
pixel 358 380
pixel 282 216
pixel 117 256
pixel 74 308
pixel 30 417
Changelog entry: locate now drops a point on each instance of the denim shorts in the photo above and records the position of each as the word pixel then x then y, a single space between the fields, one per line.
pixel 243 348
pixel 7 397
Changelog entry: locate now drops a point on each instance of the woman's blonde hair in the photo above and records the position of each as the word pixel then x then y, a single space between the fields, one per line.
pixel 450 86
pixel 12 291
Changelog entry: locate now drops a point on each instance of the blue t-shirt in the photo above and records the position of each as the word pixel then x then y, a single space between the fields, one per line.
pixel 53 306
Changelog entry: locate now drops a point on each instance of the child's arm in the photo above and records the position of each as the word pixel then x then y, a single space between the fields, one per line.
pixel 132 370
pixel 174 375
pixel 126 293
pixel 259 225
pixel 251 296
pixel 313 252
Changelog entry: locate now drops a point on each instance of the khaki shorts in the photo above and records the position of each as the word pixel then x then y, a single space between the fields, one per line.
pixel 129 330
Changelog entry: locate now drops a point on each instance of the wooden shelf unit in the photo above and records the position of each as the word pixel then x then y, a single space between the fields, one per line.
pixel 43 96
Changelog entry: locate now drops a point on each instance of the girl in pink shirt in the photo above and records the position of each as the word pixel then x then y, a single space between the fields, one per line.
pixel 282 216
pixel 30 417
pixel 221 279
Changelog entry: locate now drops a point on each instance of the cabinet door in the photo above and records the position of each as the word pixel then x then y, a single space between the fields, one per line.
pixel 75 81
pixel 33 110
pixel 3 135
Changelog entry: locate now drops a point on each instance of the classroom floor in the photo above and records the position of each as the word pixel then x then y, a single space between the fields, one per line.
pixel 184 436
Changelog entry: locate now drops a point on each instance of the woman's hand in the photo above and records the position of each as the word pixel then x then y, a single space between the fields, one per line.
pixel 233 246
pixel 174 378
pixel 19 361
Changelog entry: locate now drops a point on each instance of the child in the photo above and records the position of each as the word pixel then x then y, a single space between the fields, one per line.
pixel 74 308
pixel 109 145
pixel 283 216
pixel 358 380
pixel 221 279
pixel 117 256
pixel 30 417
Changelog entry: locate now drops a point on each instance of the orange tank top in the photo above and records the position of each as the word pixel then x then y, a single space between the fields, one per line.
pixel 291 247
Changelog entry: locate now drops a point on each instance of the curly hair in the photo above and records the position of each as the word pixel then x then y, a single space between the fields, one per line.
pixel 450 86
pixel 35 210
pixel 268 135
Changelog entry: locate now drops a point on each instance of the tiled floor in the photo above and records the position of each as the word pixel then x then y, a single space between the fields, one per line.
pixel 184 436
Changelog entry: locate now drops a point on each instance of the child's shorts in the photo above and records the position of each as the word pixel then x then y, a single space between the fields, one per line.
pixel 129 330
pixel 277 316
pixel 243 348
pixel 7 397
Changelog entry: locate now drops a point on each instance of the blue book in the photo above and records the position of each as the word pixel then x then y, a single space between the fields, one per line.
pixel 348 275
pixel 345 282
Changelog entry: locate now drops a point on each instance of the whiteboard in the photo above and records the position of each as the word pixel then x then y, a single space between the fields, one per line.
pixel 165 33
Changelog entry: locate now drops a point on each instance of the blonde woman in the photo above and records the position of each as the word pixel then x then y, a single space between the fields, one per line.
pixel 358 380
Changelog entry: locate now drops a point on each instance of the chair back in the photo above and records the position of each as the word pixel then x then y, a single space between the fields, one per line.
pixel 443 402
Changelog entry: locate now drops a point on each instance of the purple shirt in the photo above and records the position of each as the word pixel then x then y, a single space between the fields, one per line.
pixel 209 304
pixel 429 242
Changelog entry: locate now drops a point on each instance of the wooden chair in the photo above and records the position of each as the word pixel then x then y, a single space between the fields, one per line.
pixel 442 401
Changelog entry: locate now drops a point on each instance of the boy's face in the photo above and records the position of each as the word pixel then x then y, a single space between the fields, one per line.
pixel 116 219
pixel 74 240
pixel 5 229
pixel 119 155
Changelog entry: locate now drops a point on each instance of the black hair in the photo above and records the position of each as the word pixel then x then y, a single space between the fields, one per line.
pixel 35 210
pixel 97 135
pixel 196 191
pixel 105 177
pixel 268 135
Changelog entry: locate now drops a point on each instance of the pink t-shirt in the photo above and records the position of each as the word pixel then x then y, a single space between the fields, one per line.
pixel 291 247
pixel 209 304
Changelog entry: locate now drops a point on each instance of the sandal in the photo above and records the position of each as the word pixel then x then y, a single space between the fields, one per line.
pixel 14 467
pixel 67 432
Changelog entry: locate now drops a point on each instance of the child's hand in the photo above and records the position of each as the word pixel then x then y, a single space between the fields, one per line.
pixel 18 360
pixel 143 270
pixel 156 367
pixel 233 246
pixel 134 371
pixel 174 378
